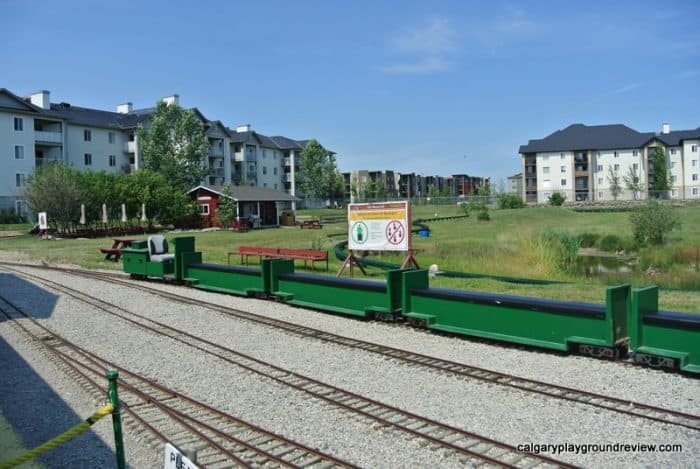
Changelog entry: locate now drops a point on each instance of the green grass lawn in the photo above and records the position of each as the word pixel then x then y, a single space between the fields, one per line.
pixel 507 246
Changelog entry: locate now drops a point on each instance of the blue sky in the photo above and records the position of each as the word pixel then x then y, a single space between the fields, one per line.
pixel 433 87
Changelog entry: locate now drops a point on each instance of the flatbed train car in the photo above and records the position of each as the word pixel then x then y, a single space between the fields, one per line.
pixel 628 321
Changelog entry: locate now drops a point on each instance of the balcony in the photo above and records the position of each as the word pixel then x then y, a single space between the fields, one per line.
pixel 216 151
pixel 42 161
pixel 48 137
pixel 250 157
pixel 216 172
pixel 130 147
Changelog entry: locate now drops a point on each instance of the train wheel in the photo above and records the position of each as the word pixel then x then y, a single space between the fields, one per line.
pixel 655 361
pixel 598 351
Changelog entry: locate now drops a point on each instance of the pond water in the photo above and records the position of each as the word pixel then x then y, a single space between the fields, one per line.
pixel 594 265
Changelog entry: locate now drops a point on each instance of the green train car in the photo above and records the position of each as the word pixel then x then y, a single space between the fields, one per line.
pixel 628 320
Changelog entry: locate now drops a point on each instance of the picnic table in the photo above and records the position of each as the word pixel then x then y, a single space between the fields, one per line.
pixel 114 253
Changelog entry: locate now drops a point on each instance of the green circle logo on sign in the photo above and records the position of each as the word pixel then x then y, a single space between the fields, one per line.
pixel 359 232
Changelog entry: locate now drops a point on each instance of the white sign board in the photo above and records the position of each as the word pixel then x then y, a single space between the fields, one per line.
pixel 378 227
pixel 174 459
pixel 43 221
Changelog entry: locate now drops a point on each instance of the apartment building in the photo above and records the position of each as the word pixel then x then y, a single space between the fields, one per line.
pixel 515 184
pixel 582 162
pixel 35 131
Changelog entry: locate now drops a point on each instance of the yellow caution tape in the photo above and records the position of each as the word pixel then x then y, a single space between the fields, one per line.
pixel 62 438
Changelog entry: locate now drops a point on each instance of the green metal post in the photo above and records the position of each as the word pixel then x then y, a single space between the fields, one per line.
pixel 112 376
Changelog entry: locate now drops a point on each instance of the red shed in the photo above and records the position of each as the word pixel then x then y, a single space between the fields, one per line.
pixel 253 203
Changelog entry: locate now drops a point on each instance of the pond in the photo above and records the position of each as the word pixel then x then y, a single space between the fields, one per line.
pixel 595 265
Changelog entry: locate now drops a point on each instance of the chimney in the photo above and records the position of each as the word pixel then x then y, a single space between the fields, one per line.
pixel 243 128
pixel 125 108
pixel 666 128
pixel 41 99
pixel 173 99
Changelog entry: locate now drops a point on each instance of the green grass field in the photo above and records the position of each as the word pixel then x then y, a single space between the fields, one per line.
pixel 508 245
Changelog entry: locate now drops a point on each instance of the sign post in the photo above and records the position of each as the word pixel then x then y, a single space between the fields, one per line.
pixel 382 226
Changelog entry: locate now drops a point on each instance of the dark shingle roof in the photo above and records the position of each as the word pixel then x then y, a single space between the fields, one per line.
pixel 252 194
pixel 95 117
pixel 583 137
pixel 675 138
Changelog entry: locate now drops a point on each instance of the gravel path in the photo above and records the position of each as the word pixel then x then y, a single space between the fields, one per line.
pixel 504 414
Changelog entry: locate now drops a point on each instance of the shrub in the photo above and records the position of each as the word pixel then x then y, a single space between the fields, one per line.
pixel 610 243
pixel 557 199
pixel 588 240
pixel 9 217
pixel 652 222
pixel 510 201
pixel 463 208
pixel 563 247
pixel 483 215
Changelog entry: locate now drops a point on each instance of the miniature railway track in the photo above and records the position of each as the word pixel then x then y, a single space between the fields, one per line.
pixel 470 446
pixel 628 407
pixel 222 439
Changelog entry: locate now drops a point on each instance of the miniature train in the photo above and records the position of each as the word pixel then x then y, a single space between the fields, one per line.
pixel 628 321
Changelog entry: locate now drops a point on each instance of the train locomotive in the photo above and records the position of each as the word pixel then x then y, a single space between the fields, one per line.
pixel 629 320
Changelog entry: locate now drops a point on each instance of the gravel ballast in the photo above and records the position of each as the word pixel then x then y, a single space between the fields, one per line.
pixel 504 414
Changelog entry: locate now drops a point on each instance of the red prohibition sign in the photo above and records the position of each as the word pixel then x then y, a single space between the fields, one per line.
pixel 395 232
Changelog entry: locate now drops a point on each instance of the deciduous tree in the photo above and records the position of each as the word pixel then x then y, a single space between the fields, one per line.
pixel 175 145
pixel 318 173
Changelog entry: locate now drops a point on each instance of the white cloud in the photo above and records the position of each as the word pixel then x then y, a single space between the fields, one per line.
pixel 428 47
pixel 435 38
pixel 424 66
pixel 626 88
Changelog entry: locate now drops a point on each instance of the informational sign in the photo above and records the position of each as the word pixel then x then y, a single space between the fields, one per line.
pixel 378 227
pixel 174 459
pixel 43 221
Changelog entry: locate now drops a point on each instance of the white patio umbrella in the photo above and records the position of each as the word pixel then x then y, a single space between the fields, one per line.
pixel 124 213
pixel 82 214
pixel 104 213
pixel 143 212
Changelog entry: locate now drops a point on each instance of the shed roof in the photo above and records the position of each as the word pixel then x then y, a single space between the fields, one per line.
pixel 250 194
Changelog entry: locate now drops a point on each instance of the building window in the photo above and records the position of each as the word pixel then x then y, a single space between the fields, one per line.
pixel 545 158
pixel 110 137
pixel 274 156
pixel 635 166
pixel 20 179
pixel 597 153
pixel 673 164
pixel 616 167
pixel 694 163
pixel 264 169
pixel 88 159
pixel 600 181
pixel 599 168
pixel 19 152
pixel 615 154
pixel 635 153
pixel 674 192
pixel 561 156
pixel 563 169
pixel 112 160
pixel 694 148
pixel 695 177
pixel 695 191
pixel 19 124
pixel 264 184
pixel 674 178
pixel 264 154
pixel 547 195
pixel 275 186
pixel 563 182
pixel 204 209
pixel 673 151
pixel 87 135
pixel 545 170
pixel 21 207
pixel 600 195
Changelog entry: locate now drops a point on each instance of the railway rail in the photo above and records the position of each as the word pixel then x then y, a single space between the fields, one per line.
pixel 623 406
pixel 468 445
pixel 222 440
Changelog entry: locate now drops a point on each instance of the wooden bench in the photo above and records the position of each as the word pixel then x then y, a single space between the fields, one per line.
pixel 282 253
pixel 311 224
pixel 305 255
pixel 246 251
